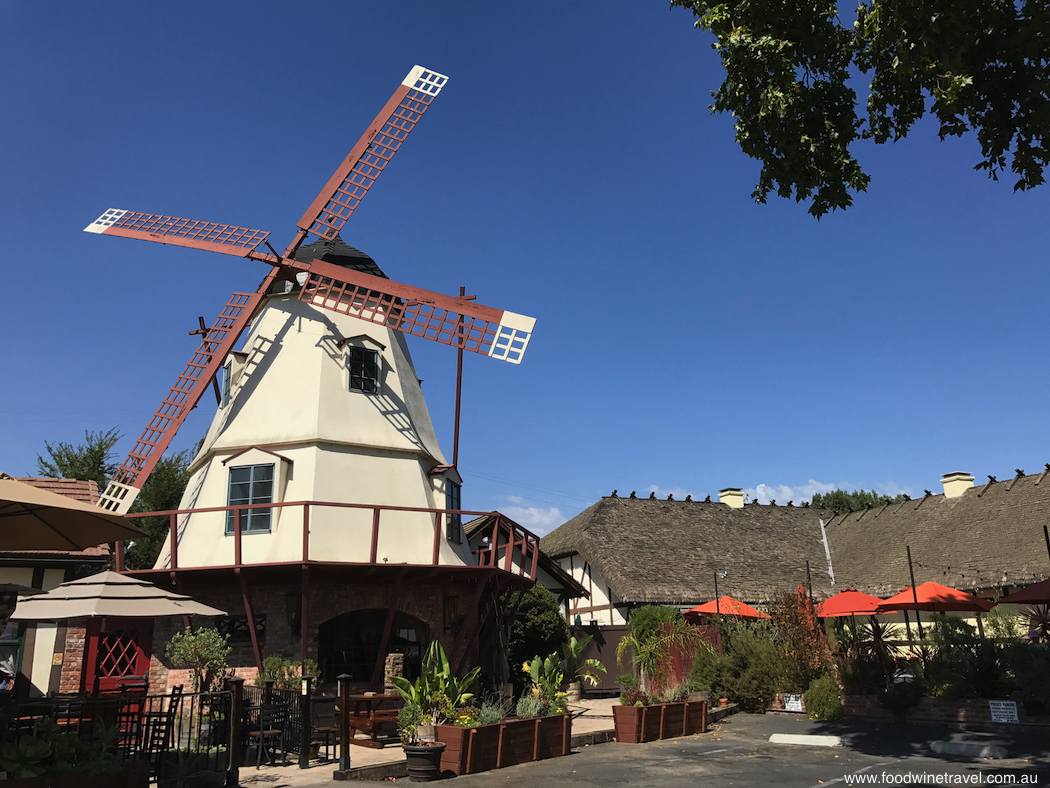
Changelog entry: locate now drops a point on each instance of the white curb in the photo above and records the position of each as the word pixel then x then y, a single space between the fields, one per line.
pixel 802 738
pixel 968 749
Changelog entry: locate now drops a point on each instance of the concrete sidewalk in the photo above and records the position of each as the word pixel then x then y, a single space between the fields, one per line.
pixel 592 723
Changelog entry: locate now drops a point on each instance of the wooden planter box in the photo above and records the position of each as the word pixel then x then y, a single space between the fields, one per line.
pixel 470 750
pixel 636 724
pixel 134 775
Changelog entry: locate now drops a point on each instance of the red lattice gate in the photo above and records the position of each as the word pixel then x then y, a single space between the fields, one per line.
pixel 116 649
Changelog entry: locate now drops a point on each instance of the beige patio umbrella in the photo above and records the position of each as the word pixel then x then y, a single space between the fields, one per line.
pixel 33 519
pixel 108 594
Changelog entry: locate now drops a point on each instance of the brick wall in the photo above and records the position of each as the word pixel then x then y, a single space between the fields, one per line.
pixel 72 659
pixel 326 601
pixel 968 711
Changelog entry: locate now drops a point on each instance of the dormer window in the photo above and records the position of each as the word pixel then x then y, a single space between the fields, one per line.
pixel 364 369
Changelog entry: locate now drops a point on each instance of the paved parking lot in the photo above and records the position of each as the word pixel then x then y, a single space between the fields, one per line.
pixel 738 753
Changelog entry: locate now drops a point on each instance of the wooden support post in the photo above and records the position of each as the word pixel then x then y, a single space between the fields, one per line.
pixel 663 709
pixel 306 532
pixel 472 623
pixel 509 558
pixel 535 559
pixel 344 721
pixel 375 536
pixel 237 538
pixel 494 540
pixel 566 743
pixel 306 722
pixel 119 545
pixel 536 740
pixel 384 641
pixel 235 685
pixel 437 538
pixel 257 651
pixel 173 542
pixel 304 616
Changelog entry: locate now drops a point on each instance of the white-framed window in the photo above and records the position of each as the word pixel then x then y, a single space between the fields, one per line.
pixel 227 375
pixel 364 369
pixel 250 484
pixel 453 500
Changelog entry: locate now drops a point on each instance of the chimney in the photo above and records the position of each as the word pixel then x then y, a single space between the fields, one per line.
pixel 955 484
pixel 733 497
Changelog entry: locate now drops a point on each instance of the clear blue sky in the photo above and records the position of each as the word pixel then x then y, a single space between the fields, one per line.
pixel 687 338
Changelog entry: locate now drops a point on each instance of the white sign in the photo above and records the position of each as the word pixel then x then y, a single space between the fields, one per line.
pixel 1003 710
pixel 792 702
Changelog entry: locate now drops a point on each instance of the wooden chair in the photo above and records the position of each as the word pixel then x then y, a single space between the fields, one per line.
pixel 271 722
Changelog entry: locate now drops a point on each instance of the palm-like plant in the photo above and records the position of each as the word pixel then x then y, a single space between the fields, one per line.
pixel 576 669
pixel 437 691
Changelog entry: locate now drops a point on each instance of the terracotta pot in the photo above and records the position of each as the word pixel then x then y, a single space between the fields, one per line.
pixel 724 701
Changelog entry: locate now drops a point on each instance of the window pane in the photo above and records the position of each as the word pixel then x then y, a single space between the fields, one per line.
pixel 250 484
pixel 242 474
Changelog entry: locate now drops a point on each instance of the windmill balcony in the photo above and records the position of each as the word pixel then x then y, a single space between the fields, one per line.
pixel 511 549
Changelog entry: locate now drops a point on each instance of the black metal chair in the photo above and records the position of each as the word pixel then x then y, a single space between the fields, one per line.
pixel 269 732
pixel 161 730
pixel 325 730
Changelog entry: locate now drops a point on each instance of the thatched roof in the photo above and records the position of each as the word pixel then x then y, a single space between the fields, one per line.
pixel 989 537
pixel 653 551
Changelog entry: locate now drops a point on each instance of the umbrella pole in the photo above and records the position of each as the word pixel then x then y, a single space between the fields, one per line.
pixel 718 611
pixel 1046 536
pixel 914 593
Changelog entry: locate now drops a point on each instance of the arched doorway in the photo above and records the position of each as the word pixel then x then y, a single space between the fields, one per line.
pixel 350 644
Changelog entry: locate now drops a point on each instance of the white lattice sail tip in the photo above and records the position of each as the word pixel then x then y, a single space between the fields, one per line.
pixel 118 498
pixel 512 337
pixel 425 80
pixel 105 221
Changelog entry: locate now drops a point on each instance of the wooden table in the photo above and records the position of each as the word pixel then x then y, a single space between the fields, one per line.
pixel 370 717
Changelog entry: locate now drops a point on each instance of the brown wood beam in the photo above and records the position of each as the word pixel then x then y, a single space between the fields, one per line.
pixel 248 611
pixel 461 647
pixel 304 619
pixel 395 597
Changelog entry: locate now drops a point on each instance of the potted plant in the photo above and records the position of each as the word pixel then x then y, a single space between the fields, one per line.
pixel 53 758
pixel 642 717
pixel 577 670
pixel 431 700
pixel 486 738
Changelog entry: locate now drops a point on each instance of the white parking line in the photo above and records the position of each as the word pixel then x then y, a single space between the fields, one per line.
pixel 855 771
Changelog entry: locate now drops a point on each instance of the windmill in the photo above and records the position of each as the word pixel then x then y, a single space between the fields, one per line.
pixel 352 286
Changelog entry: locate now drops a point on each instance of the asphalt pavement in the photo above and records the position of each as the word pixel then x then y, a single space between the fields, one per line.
pixel 737 752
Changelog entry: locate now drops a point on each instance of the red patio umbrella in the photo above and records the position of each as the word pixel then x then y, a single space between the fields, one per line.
pixel 934 596
pixel 848 603
pixel 726 606
pixel 1035 594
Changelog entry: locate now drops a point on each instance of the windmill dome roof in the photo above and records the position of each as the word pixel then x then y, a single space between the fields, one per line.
pixel 339 252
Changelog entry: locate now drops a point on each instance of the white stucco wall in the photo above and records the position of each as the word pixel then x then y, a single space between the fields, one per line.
pixel 291 395
pixel 601 595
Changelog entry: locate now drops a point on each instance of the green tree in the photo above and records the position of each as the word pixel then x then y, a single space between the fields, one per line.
pixel 842 502
pixel 92 460
pixel 539 630
pixel 162 492
pixel 204 652
pixel 976 65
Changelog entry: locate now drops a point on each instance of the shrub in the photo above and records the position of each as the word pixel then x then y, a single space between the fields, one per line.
pixel 539 628
pixel 284 673
pixel 822 700
pixel 633 696
pixel 626 680
pixel 675 694
pixel 802 640
pixel 1002 623
pixel 1029 666
pixel 492 712
pixel 901 696
pixel 529 706
pixel 409 717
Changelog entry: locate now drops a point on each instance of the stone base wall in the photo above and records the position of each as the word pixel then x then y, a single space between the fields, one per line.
pixel 963 711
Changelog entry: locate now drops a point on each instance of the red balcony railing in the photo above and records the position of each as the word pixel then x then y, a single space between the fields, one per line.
pixel 509 546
